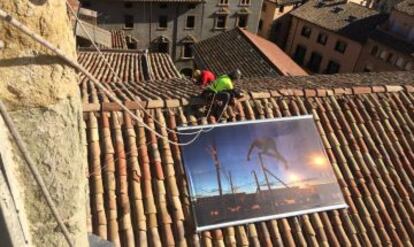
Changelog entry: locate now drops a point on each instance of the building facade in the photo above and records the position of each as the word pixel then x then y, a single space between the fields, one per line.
pixel 274 20
pixel 391 46
pixel 174 26
pixel 328 37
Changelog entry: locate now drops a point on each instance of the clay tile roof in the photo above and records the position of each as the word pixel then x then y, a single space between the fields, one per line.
pixel 134 68
pixel 183 89
pixel 348 19
pixel 239 49
pixel 406 6
pixel 139 194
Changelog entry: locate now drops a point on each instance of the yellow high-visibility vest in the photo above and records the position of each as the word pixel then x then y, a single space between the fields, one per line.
pixel 221 84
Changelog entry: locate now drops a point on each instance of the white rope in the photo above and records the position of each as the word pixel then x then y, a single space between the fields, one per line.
pixel 117 78
pixel 8 18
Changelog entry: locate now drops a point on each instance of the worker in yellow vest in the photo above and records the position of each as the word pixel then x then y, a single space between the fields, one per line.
pixel 223 91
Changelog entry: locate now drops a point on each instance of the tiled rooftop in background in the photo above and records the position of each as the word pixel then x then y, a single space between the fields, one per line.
pixel 138 190
pixel 239 49
pixel 406 6
pixel 335 15
pixel 132 67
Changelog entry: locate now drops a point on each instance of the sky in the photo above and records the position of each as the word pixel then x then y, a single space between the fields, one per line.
pixel 297 140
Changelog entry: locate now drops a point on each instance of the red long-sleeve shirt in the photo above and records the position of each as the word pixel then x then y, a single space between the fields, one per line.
pixel 206 78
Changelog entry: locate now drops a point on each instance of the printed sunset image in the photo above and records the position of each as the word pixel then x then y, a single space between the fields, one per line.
pixel 249 171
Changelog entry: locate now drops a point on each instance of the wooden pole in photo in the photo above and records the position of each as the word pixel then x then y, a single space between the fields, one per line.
pixel 231 183
pixel 256 180
pixel 213 152
pixel 264 171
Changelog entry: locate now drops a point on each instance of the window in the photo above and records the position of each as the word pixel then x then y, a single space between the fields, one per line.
pixel 263 7
pixel 383 55
pixel 333 67
pixel 390 57
pixel 368 68
pixel 244 2
pixel 223 2
pixel 315 62
pixel 191 6
pixel 300 54
pixel 281 9
pixel 163 5
pixel 221 21
pixel 188 50
pixel 162 21
pixel 400 62
pixel 322 38
pixel 187 72
pixel 374 50
pixel 260 25
pixel 242 21
pixel 340 46
pixel 164 46
pixel 128 21
pixel 128 5
pixel 190 23
pixel 409 66
pixel 85 4
pixel 306 31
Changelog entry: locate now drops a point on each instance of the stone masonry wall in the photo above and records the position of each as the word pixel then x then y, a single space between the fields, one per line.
pixel 43 99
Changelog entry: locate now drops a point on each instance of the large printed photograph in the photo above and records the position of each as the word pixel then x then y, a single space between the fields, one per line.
pixel 257 170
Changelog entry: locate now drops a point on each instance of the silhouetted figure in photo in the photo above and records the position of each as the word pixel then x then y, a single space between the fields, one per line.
pixel 267 146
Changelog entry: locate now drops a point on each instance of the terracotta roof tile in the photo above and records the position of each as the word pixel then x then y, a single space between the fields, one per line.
pixel 406 6
pixel 139 192
pixel 133 68
pixel 184 90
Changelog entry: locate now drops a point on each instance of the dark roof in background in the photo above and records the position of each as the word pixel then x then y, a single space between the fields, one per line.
pixel 139 194
pixel 238 49
pixel 285 2
pixel 185 90
pixel 406 6
pixel 363 21
pixel 392 41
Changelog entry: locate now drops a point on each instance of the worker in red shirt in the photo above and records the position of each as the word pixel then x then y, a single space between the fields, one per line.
pixel 203 78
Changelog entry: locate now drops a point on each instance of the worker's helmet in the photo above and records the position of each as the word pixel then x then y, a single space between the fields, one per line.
pixel 196 74
pixel 235 75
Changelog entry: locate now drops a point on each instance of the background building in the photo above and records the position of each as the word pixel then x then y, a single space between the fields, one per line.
pixel 391 45
pixel 274 22
pixel 174 26
pixel 328 36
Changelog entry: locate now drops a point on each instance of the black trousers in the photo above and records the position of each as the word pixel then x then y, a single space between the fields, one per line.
pixel 221 100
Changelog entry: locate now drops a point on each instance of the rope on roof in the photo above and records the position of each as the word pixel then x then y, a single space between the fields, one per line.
pixel 122 85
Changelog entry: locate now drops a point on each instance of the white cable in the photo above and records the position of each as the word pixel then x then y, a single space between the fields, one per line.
pixel 117 78
pixel 12 21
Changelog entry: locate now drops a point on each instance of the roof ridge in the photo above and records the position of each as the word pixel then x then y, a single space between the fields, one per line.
pixel 261 94
pixel 114 50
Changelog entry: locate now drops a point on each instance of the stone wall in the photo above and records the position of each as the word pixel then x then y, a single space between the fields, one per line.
pixel 42 96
